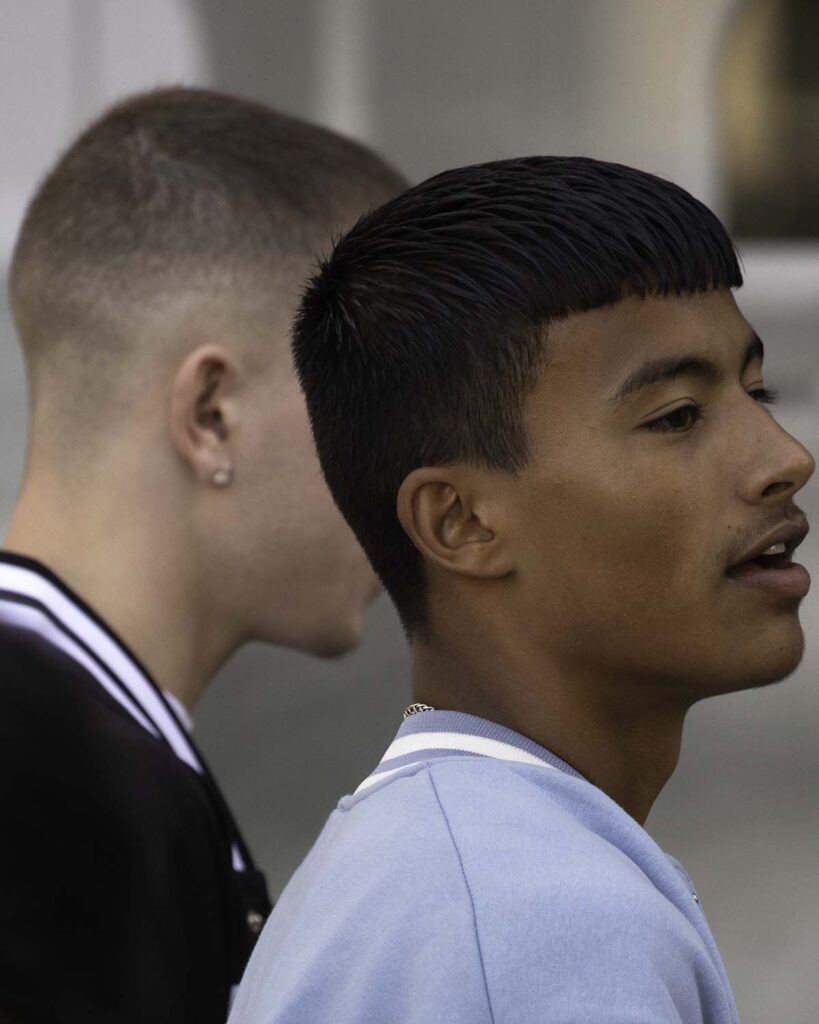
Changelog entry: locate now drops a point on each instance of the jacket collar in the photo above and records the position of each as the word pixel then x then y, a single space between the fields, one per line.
pixel 36 600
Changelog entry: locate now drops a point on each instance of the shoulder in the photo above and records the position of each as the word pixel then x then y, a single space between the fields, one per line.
pixel 41 685
pixel 532 836
pixel 474 882
pixel 69 748
pixel 469 809
pixel 376 924
pixel 570 896
pixel 50 702
pixel 394 838
pixel 47 704
pixel 27 658
pixel 111 837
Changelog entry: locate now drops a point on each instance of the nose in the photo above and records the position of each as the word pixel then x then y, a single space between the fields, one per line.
pixel 779 465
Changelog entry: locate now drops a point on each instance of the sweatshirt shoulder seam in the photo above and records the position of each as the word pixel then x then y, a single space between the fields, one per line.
pixel 470 897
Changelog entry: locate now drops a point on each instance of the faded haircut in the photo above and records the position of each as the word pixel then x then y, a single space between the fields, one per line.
pixel 178 192
pixel 421 336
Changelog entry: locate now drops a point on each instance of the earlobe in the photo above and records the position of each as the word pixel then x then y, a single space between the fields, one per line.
pixel 438 510
pixel 199 418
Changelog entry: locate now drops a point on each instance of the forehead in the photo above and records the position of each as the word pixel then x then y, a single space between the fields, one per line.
pixel 589 354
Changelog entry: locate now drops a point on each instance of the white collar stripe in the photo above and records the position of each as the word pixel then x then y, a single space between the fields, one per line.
pixel 428 745
pixel 34 619
pixel 28 583
pixel 463 742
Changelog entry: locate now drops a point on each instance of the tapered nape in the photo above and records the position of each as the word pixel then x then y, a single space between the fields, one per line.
pixel 421 336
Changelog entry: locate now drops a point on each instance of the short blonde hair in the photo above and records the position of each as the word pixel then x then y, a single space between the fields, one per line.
pixel 177 190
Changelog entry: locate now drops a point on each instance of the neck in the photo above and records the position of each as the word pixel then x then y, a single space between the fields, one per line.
pixel 615 732
pixel 126 556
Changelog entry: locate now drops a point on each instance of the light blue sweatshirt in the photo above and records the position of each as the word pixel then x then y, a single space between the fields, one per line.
pixel 475 878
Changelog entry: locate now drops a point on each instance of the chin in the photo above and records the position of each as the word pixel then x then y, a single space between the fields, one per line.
pixel 333 647
pixel 772 658
pixel 322 641
pixel 317 626
pixel 780 668
pixel 333 640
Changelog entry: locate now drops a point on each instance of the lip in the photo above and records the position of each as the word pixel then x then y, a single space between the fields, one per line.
pixel 789 534
pixel 793 582
pixel 790 580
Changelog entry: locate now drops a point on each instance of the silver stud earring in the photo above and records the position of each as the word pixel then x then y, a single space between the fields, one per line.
pixel 222 477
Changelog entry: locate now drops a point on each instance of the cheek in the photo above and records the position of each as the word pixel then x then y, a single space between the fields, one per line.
pixel 615 540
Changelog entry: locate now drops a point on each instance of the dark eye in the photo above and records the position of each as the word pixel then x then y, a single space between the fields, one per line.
pixel 765 396
pixel 678 421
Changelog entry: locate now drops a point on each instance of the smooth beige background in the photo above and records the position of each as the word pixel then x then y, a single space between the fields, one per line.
pixel 434 83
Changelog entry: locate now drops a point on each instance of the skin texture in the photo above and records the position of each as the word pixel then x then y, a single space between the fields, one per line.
pixel 584 602
pixel 183 570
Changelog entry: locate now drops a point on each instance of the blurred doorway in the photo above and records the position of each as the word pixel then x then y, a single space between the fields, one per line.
pixel 769 119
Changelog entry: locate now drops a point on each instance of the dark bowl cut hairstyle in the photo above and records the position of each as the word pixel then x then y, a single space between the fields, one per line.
pixel 420 338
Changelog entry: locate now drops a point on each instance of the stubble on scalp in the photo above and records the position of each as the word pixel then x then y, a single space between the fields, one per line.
pixel 181 216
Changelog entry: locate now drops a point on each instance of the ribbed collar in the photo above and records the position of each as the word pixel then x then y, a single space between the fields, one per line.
pixel 432 735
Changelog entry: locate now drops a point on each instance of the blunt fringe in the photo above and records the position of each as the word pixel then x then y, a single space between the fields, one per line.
pixel 421 336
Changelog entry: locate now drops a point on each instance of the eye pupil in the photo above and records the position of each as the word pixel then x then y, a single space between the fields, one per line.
pixel 680 418
pixel 678 421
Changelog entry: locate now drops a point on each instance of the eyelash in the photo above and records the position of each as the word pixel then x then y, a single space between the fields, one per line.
pixel 765 396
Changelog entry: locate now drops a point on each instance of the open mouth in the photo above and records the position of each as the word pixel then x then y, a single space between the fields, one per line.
pixel 770 566
pixel 777 556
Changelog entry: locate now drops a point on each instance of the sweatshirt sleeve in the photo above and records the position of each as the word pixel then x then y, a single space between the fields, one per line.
pixel 376 926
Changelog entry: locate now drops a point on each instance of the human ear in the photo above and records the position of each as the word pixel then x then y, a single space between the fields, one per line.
pixel 446 516
pixel 201 413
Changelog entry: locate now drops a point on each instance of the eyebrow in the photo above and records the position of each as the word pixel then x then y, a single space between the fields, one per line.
pixel 670 367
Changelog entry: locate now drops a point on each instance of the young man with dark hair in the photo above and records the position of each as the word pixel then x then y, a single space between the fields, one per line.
pixel 172 509
pixel 539 408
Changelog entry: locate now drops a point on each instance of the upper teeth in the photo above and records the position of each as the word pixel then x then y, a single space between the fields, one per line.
pixel 775 549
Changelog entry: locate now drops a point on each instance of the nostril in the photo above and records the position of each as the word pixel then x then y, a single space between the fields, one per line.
pixel 778 488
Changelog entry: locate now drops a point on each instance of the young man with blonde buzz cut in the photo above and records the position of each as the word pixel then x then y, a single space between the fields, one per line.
pixel 172 509
pixel 539 407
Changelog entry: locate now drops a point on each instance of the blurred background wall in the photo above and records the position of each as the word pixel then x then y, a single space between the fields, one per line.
pixel 720 95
